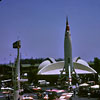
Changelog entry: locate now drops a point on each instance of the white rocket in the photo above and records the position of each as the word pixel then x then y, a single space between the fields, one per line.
pixel 68 54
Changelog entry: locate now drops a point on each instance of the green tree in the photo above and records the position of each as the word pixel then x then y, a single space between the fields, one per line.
pixel 97 64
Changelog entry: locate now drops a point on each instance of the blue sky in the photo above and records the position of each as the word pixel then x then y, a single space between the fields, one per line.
pixel 40 25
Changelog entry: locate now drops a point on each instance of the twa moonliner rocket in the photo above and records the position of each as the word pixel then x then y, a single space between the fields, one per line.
pixel 68 54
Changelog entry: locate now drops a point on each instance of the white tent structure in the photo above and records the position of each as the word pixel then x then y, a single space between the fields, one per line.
pixel 51 67
pixel 84 84
pixel 95 87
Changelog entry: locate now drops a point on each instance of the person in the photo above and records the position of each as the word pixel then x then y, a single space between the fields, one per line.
pixel 70 98
pixel 52 95
pixel 7 97
pixel 74 92
pixel 39 95
pixel 19 98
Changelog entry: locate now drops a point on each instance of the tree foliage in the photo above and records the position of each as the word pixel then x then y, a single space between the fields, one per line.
pixel 97 64
pixel 31 61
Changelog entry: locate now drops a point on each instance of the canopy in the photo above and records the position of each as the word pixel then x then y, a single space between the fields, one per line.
pixel 95 86
pixel 84 84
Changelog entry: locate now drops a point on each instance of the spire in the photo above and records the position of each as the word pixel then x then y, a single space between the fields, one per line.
pixel 67 25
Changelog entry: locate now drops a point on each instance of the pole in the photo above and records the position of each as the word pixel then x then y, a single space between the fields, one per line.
pixel 18 70
pixel 17 77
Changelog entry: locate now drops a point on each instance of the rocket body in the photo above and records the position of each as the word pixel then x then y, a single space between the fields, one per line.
pixel 68 53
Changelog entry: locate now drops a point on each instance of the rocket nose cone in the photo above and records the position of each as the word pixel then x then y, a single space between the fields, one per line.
pixel 67 25
pixel 66 20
